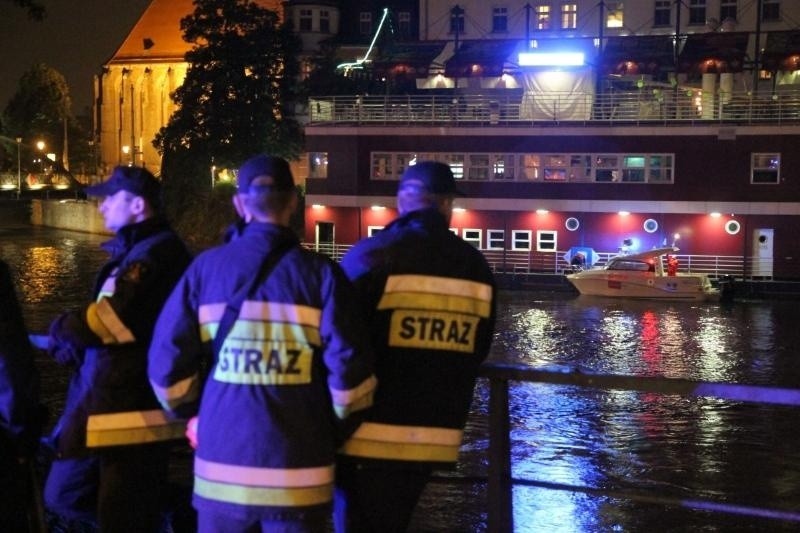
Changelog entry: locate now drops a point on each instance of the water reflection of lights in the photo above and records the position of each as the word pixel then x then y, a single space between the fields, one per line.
pixel 51 265
pixel 555 440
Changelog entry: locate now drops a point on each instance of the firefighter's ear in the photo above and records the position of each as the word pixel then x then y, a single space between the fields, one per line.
pixel 241 209
pixel 138 205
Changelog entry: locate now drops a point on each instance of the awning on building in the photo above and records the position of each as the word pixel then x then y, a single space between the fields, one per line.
pixel 484 58
pixel 411 59
pixel 713 52
pixel 782 51
pixel 637 54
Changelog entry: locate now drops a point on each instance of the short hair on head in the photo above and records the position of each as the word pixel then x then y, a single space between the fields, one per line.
pixel 265 200
pixel 265 170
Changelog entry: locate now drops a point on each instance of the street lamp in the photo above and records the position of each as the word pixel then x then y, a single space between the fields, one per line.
pixel 19 169
pixel 40 146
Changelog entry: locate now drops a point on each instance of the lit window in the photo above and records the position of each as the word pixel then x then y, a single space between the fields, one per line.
pixel 456 163
pixel 633 168
pixel 503 166
pixel 542 17
pixel 555 167
pixel 531 167
pixel 318 165
pixel 765 168
pixel 614 16
pixel 382 166
pixel 569 16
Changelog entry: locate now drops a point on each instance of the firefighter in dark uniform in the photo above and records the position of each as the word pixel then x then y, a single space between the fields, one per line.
pixel 289 363
pixel 111 440
pixel 430 299
pixel 20 418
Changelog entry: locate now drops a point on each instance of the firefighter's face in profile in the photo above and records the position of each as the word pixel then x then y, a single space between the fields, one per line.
pixel 120 209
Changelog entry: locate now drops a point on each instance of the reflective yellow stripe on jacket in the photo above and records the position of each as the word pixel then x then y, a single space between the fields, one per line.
pixel 184 391
pixel 269 343
pixel 264 321
pixel 346 402
pixel 404 443
pixel 435 313
pixel 437 293
pixel 132 427
pixel 245 485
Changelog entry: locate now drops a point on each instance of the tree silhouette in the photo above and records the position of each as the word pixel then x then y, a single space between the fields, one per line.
pixel 39 110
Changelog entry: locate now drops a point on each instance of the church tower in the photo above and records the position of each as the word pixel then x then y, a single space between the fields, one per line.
pixel 132 93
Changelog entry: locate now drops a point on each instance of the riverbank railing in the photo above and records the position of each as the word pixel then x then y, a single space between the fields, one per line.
pixel 500 481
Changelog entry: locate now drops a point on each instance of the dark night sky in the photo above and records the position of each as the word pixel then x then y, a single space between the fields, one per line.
pixel 76 38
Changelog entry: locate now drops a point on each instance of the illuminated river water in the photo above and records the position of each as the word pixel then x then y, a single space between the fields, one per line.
pixel 661 445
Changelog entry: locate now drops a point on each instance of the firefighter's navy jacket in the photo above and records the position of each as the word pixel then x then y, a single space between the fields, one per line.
pixel 19 381
pixel 110 401
pixel 432 302
pixel 295 362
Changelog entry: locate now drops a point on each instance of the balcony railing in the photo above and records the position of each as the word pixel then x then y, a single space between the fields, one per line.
pixel 519 262
pixel 648 106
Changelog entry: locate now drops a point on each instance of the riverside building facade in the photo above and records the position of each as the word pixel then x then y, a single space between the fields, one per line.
pixel 579 126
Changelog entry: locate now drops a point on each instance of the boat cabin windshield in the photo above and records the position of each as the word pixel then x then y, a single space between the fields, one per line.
pixel 628 264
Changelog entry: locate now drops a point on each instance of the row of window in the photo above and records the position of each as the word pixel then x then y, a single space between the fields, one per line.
pixel 543 14
pixel 765 168
pixel 546 16
pixel 521 240
pixel 622 168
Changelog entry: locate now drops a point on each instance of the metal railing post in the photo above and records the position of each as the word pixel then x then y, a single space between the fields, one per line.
pixel 499 486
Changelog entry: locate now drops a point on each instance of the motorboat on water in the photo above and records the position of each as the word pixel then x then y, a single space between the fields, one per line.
pixel 643 275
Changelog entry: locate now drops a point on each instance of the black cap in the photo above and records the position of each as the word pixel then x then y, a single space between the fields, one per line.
pixel 436 177
pixel 135 180
pixel 275 169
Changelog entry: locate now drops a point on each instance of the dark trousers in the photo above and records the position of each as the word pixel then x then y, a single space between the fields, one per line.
pixel 19 504
pixel 121 488
pixel 310 521
pixel 376 498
